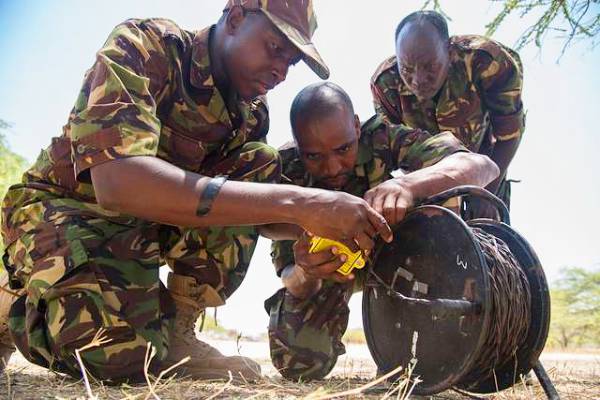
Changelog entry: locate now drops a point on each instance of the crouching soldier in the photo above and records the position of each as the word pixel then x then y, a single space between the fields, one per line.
pixel 309 315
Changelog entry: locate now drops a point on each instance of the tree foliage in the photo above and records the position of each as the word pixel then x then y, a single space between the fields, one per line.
pixel 11 167
pixel 570 20
pixel 576 309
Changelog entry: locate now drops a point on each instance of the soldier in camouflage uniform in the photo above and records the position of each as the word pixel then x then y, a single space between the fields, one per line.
pixel 469 85
pixel 310 314
pixel 137 180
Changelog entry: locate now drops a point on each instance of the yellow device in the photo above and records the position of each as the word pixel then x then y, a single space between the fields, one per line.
pixel 354 260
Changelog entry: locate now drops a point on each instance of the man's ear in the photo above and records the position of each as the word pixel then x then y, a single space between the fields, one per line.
pixel 357 126
pixel 234 19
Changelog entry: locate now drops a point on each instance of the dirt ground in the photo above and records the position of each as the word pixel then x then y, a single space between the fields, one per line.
pixel 575 375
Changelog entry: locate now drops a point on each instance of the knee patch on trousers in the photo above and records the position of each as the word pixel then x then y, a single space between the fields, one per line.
pixel 304 343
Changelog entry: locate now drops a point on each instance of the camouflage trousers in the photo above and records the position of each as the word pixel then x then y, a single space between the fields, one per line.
pixel 305 336
pixel 84 274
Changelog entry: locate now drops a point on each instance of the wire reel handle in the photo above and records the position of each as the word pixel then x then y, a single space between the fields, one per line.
pixel 470 191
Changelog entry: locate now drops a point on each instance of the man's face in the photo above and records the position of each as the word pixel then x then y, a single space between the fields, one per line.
pixel 423 59
pixel 328 147
pixel 257 55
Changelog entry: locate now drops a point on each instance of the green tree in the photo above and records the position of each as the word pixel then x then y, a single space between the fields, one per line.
pixel 571 20
pixel 576 309
pixel 11 167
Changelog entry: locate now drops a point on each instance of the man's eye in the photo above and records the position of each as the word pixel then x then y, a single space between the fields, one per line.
pixel 273 46
pixel 312 157
pixel 343 149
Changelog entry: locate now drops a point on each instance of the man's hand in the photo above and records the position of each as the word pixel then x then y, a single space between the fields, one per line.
pixel 345 218
pixel 320 265
pixel 392 199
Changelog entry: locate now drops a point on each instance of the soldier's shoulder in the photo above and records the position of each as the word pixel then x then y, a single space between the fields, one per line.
pixel 386 71
pixel 377 130
pixel 479 44
pixel 288 151
pixel 291 163
pixel 160 27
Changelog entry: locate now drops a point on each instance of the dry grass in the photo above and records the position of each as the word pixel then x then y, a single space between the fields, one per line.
pixel 573 379
pixel 30 382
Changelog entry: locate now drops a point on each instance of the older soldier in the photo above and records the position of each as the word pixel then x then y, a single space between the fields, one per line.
pixel 138 178
pixel 332 151
pixel 468 85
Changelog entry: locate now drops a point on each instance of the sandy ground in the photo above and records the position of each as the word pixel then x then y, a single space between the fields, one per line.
pixel 576 376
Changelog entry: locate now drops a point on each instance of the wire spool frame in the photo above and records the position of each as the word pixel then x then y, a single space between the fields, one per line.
pixel 430 300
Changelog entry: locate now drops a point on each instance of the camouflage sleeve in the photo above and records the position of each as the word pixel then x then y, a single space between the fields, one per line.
pixel 282 254
pixel 499 74
pixel 115 113
pixel 414 149
pixel 384 87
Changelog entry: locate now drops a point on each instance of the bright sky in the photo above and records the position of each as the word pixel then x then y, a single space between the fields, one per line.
pixel 46 47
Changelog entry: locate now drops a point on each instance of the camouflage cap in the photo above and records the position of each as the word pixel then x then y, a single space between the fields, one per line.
pixel 296 20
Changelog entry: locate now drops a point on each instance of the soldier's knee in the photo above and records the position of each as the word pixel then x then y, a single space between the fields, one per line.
pixel 305 369
pixel 298 351
pixel 109 347
pixel 116 365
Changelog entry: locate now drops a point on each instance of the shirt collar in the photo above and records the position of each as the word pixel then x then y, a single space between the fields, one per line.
pixel 200 72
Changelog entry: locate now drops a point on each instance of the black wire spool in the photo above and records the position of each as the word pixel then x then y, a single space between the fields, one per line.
pixel 466 302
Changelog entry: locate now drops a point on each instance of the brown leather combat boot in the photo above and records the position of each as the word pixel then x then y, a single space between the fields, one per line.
pixel 206 362
pixel 7 297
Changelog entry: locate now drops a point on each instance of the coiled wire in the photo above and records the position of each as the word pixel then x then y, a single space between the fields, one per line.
pixel 510 313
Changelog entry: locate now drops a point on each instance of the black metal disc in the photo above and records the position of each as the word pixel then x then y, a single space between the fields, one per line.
pixel 432 246
pixel 528 354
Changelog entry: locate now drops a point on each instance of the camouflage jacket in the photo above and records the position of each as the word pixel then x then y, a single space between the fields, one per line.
pixel 149 93
pixel 481 94
pixel 383 148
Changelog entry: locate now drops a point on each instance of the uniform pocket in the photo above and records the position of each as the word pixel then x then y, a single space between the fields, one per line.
pixel 185 152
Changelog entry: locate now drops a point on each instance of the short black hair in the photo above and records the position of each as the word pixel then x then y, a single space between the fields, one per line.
pixel 319 100
pixel 433 17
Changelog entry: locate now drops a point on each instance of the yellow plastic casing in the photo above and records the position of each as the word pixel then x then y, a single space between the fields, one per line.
pixel 354 260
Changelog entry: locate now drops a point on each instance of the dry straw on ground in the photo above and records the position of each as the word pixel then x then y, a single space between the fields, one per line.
pixel 574 381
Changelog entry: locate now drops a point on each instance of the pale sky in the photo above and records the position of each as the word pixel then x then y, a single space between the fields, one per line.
pixel 46 47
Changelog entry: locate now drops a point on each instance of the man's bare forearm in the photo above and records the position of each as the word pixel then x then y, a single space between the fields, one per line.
pixel 502 155
pixel 455 170
pixel 280 231
pixel 152 189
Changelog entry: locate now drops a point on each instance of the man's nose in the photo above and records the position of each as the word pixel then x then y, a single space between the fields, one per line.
pixel 333 167
pixel 280 71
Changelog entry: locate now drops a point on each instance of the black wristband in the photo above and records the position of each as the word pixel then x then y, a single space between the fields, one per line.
pixel 209 194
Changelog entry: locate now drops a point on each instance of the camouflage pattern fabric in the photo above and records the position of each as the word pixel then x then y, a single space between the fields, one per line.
pixel 305 336
pixel 479 103
pixel 303 350
pixel 150 93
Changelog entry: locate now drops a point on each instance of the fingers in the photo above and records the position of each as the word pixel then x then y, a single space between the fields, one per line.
pixel 380 225
pixel 302 245
pixel 401 210
pixel 369 196
pixel 322 264
pixel 362 242
pixel 389 209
